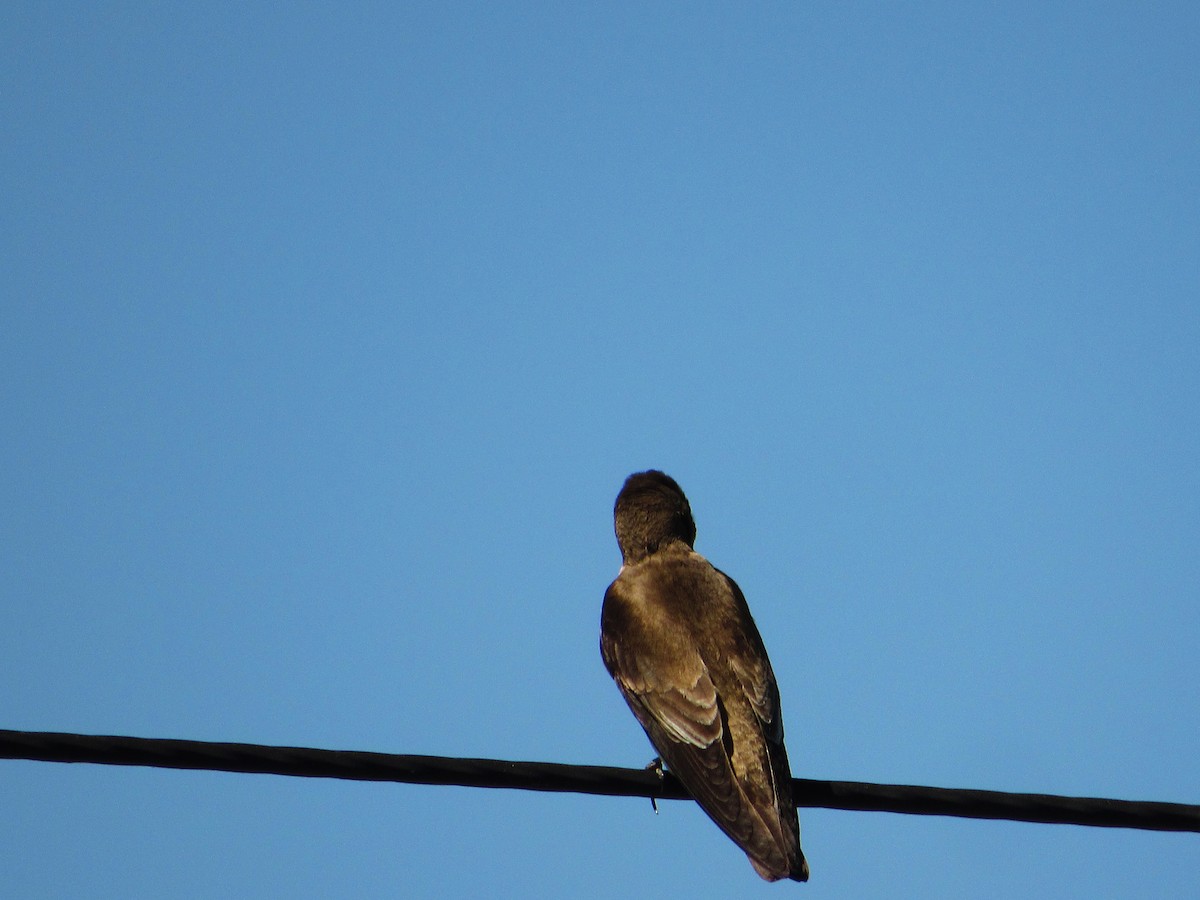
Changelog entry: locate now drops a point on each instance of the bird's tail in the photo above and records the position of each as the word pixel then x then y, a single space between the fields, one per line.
pixel 800 869
pixel 797 872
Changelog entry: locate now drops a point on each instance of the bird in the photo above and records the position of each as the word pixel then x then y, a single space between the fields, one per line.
pixel 677 637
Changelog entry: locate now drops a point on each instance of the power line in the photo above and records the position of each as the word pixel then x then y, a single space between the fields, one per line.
pixel 608 780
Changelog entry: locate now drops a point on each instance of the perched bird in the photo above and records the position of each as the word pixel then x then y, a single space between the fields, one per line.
pixel 677 637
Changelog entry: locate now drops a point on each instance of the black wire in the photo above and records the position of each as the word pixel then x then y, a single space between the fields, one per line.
pixel 533 776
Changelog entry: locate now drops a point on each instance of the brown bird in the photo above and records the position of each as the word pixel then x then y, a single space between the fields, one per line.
pixel 677 637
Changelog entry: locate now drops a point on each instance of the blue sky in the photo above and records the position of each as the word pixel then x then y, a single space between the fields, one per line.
pixel 329 334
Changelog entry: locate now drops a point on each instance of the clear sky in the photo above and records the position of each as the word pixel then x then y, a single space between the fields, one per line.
pixel 329 333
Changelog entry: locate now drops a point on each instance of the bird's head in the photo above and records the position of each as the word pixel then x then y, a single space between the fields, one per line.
pixel 651 511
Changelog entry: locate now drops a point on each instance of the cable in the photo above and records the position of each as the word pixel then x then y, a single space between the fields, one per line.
pixel 607 780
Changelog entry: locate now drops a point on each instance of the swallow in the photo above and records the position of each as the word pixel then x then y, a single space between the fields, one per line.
pixel 677 637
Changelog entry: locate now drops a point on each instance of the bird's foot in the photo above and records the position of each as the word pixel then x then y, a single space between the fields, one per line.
pixel 656 767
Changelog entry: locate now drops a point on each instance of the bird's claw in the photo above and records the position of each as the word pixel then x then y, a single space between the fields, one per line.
pixel 656 767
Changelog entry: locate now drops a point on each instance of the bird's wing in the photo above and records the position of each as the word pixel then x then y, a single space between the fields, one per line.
pixel 751 666
pixel 753 673
pixel 662 676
